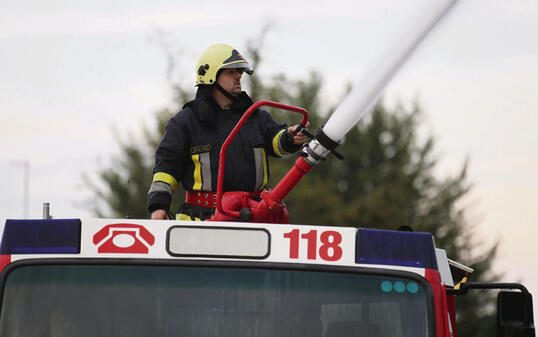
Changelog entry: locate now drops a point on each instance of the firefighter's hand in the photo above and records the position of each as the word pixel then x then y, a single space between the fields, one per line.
pixel 159 214
pixel 298 138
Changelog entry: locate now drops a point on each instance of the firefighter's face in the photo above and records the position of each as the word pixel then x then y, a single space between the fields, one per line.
pixel 230 80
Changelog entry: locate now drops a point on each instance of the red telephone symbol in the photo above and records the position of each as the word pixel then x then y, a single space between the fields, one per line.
pixel 123 238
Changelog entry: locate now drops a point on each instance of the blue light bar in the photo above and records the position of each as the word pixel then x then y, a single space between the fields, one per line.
pixel 54 236
pixel 397 248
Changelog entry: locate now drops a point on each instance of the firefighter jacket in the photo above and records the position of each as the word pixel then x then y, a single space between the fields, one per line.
pixel 189 150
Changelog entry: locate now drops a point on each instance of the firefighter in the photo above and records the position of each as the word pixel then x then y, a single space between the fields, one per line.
pixel 189 150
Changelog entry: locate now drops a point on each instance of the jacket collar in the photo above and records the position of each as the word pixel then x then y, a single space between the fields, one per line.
pixel 205 107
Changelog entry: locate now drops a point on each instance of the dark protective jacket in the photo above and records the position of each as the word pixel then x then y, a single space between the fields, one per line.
pixel 190 148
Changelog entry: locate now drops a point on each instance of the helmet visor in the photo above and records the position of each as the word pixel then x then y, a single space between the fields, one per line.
pixel 241 64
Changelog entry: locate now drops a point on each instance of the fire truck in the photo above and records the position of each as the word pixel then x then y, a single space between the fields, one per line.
pixel 126 277
pixel 246 272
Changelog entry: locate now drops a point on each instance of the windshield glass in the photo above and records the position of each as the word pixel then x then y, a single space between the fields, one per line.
pixel 136 300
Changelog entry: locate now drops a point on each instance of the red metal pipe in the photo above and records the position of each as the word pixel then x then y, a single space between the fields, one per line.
pixel 287 183
pixel 222 157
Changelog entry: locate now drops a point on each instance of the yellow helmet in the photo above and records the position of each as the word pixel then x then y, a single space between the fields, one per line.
pixel 217 57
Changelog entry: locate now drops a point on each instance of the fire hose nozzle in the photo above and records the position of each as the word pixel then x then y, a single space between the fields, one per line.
pixel 319 148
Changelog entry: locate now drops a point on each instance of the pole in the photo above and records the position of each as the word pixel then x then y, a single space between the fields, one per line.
pixel 46 210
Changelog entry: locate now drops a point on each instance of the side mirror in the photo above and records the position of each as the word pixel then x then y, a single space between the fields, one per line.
pixel 514 314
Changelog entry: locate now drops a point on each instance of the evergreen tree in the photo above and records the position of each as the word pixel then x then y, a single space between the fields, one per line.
pixel 385 181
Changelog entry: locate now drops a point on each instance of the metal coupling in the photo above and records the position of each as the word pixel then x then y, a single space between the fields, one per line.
pixel 314 152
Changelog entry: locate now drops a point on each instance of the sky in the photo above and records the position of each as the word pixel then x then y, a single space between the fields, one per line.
pixel 75 76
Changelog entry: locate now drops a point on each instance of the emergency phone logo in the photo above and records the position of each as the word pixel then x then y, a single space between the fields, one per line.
pixel 123 238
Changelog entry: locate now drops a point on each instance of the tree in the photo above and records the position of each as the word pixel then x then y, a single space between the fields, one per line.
pixel 385 181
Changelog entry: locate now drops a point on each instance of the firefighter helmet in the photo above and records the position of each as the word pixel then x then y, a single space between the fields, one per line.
pixel 217 57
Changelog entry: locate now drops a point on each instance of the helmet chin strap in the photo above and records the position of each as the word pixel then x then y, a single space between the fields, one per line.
pixel 225 93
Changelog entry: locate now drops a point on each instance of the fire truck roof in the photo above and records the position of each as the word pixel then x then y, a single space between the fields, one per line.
pixel 132 238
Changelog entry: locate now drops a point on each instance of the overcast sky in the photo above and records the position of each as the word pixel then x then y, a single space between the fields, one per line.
pixel 76 74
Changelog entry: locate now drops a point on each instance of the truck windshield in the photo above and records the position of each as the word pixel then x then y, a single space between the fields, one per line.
pixel 137 300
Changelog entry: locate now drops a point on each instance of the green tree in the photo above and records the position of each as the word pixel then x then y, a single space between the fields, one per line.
pixel 385 181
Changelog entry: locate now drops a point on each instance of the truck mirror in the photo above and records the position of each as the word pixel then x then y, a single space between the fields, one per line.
pixel 514 314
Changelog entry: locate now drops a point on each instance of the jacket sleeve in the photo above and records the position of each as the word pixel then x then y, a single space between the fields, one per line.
pixel 169 164
pixel 278 142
